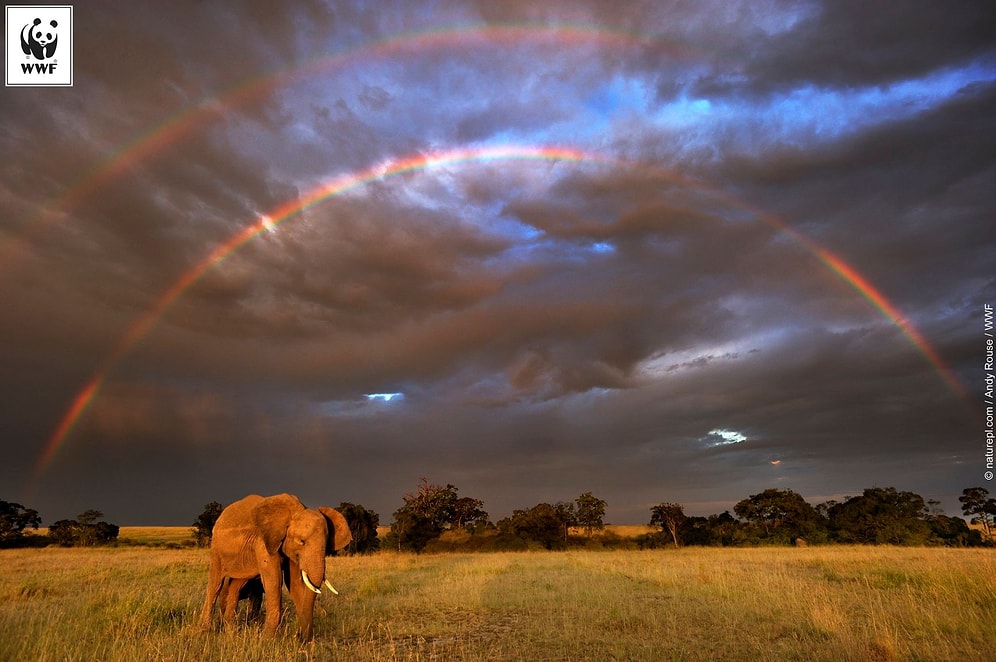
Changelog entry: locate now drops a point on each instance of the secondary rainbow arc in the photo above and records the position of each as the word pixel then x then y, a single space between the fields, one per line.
pixel 181 124
pixel 338 185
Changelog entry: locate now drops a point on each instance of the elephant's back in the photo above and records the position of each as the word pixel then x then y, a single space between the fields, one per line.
pixel 238 514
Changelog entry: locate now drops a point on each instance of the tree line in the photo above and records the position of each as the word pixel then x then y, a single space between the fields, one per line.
pixel 879 515
pixel 433 510
pixel 437 518
pixel 428 520
pixel 87 530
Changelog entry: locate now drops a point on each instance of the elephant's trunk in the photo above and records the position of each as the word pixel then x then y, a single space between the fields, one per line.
pixel 313 573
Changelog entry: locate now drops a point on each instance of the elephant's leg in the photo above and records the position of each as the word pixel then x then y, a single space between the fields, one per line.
pixel 304 602
pixel 270 575
pixel 230 599
pixel 253 591
pixel 215 584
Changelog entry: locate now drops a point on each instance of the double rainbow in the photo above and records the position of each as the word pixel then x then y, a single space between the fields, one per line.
pixel 336 186
pixel 180 125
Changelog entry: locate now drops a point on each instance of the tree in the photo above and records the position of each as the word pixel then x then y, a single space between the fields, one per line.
pixel 104 533
pixel 64 532
pixel 881 516
pixel 14 518
pixel 412 530
pixel 430 510
pixel 783 515
pixel 363 525
pixel 89 532
pixel 541 524
pixel 670 517
pixel 84 531
pixel 953 532
pixel 590 512
pixel 720 530
pixel 566 516
pixel 433 502
pixel 468 511
pixel 976 504
pixel 204 523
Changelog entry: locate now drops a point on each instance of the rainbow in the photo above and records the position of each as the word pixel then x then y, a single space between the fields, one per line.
pixel 341 184
pixel 209 109
pixel 268 222
pixel 886 308
pixel 890 312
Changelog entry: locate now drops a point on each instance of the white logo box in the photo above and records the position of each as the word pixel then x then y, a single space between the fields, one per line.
pixel 39 45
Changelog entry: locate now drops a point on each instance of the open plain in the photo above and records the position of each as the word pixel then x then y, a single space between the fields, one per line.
pixel 815 603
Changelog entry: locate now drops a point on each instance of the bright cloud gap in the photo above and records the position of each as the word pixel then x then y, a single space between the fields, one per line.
pixel 385 397
pixel 723 437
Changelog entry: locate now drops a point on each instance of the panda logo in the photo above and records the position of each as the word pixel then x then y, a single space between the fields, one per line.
pixel 39 40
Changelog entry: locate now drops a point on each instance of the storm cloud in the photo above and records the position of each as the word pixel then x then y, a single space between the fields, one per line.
pixel 631 255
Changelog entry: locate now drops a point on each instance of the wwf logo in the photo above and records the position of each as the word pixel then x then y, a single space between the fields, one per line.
pixel 38 45
pixel 40 40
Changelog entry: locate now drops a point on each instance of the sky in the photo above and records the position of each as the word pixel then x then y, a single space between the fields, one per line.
pixel 658 251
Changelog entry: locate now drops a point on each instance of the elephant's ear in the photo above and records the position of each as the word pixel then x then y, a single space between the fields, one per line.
pixel 272 516
pixel 339 534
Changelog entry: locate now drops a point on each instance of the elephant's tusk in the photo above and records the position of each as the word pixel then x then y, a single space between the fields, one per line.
pixel 331 588
pixel 307 582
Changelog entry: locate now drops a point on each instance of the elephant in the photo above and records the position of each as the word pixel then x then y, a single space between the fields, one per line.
pixel 234 590
pixel 277 540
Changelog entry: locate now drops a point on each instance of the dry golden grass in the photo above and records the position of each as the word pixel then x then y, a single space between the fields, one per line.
pixel 816 603
pixel 144 535
pixel 157 535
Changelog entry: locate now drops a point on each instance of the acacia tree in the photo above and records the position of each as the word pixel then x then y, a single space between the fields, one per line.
pixel 975 503
pixel 670 517
pixel 590 512
pixel 14 518
pixel 92 531
pixel 85 530
pixel 65 532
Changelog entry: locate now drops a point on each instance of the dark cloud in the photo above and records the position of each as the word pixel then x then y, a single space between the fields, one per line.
pixel 551 326
pixel 845 44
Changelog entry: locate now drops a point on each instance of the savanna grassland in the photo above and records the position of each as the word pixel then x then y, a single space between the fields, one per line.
pixel 815 603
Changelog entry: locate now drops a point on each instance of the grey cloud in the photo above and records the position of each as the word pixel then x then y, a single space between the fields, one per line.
pixel 846 44
pixel 555 327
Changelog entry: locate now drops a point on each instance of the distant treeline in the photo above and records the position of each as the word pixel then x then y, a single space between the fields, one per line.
pixel 429 520
pixel 436 518
pixel 88 529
